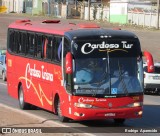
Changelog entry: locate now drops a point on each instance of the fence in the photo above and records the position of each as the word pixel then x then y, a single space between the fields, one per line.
pixel 145 18
pixel 62 10
pixel 53 9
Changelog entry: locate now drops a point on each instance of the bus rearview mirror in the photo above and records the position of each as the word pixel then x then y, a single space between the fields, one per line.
pixel 150 63
pixel 69 68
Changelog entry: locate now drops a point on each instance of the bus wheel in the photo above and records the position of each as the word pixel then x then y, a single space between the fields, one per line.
pixel 23 105
pixel 119 121
pixel 59 112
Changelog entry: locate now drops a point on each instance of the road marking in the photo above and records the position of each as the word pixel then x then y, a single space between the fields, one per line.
pixel 41 118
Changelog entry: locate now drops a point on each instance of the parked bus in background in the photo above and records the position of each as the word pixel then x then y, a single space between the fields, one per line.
pixel 78 71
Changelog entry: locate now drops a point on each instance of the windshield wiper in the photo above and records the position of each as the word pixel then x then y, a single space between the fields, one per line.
pixel 105 77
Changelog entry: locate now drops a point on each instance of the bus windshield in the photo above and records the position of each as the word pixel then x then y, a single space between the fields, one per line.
pixel 100 76
pixel 109 75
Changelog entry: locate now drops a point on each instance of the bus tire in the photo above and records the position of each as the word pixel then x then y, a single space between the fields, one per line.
pixel 23 105
pixel 119 121
pixel 59 112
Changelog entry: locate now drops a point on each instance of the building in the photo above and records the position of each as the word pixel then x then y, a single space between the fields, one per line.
pixel 119 8
pixel 13 5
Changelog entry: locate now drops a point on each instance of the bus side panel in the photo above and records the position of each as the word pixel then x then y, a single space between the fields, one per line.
pixel 40 81
pixel 12 75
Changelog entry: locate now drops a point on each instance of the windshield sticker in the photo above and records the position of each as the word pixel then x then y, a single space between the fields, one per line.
pixel 87 48
pixel 113 90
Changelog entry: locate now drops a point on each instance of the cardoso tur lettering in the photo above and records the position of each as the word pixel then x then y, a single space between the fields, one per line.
pixel 103 46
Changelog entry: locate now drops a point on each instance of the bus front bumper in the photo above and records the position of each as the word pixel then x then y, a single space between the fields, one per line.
pixel 97 114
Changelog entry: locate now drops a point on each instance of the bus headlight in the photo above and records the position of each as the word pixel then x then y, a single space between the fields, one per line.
pixel 82 105
pixel 135 104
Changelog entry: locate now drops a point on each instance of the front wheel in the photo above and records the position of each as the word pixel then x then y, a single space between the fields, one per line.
pixel 23 105
pixel 59 112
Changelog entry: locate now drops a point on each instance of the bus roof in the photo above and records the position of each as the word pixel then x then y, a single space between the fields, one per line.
pixel 50 26
pixel 103 33
pixel 71 29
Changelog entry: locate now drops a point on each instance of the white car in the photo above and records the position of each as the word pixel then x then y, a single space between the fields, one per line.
pixel 3 67
pixel 152 80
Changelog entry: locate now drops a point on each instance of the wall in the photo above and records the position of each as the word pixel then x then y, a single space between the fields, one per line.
pixel 144 19
pixel 37 7
pixel 17 6
pixel 118 12
pixel 97 14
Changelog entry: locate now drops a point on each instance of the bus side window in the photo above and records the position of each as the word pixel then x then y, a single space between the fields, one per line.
pixel 49 48
pixel 15 42
pixel 19 43
pixel 57 46
pixel 66 47
pixel 24 49
pixel 38 46
pixel 23 43
pixel 11 40
pixel 31 41
pixel 45 43
pixel 58 49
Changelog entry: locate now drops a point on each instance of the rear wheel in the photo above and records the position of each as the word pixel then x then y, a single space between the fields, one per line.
pixel 23 105
pixel 119 121
pixel 59 112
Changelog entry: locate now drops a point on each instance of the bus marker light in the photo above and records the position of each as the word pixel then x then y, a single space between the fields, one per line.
pixel 140 112
pixel 137 104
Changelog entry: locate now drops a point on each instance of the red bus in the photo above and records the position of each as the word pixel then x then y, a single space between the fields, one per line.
pixel 77 71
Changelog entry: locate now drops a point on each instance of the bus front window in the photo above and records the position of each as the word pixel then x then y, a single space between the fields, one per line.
pixel 91 75
pixel 106 76
pixel 124 76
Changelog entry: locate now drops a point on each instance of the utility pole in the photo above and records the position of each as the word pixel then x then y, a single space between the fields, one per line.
pixel 13 5
pixel 158 14
pixel 76 7
pixel 89 3
pixel 49 7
